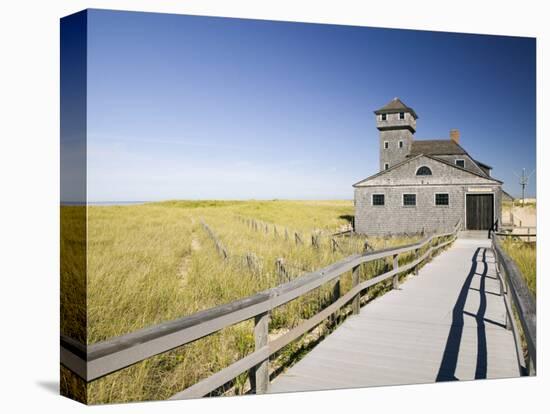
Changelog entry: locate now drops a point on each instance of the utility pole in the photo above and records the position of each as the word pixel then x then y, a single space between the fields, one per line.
pixel 523 181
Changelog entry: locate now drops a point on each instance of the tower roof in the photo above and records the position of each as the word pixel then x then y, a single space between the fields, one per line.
pixel 394 106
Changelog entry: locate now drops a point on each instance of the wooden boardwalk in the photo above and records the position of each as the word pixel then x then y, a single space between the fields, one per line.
pixel 447 323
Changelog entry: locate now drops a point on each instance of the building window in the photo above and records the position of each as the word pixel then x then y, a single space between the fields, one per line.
pixel 409 199
pixel 386 165
pixel 401 115
pixel 400 144
pixel 378 199
pixel 459 163
pixel 383 117
pixel 441 199
pixel 386 144
pixel 423 171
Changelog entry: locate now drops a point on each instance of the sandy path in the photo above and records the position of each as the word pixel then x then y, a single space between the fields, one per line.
pixel 186 261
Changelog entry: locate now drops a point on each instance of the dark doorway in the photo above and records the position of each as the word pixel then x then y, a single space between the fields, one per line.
pixel 479 211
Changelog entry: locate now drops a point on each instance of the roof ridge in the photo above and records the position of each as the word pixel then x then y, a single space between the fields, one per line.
pixel 427 156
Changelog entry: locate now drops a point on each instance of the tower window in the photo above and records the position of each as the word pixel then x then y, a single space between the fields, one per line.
pixel 401 115
pixel 384 117
pixel 400 144
pixel 378 199
pixel 409 200
pixel 459 163
pixel 441 199
pixel 423 171
pixel 386 165
pixel 386 144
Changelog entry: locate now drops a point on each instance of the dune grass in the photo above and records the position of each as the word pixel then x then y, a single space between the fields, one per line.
pixel 525 256
pixel 155 262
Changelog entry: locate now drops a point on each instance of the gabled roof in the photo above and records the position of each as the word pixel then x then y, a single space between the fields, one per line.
pixel 393 167
pixel 482 175
pixel 407 160
pixel 394 106
pixel 443 147
pixel 482 164
pixel 436 147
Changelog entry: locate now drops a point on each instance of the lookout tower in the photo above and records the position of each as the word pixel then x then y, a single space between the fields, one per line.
pixel 397 124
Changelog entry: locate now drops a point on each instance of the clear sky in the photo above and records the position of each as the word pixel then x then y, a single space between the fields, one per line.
pixel 183 107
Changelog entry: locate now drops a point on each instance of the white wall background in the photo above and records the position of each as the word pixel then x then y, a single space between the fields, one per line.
pixel 29 171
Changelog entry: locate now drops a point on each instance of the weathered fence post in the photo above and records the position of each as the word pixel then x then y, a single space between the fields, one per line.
pixel 416 256
pixel 315 240
pixel 334 245
pixel 286 233
pixel 266 229
pixel 219 247
pixel 396 276
pixel 252 262
pixel 367 247
pixel 335 297
pixel 499 272
pixel 297 238
pixel 261 371
pixel 507 298
pixel 355 303
pixel 281 270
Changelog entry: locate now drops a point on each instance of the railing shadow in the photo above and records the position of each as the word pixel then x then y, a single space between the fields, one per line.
pixel 449 361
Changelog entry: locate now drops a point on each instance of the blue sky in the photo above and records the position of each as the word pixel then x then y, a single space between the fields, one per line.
pixel 183 107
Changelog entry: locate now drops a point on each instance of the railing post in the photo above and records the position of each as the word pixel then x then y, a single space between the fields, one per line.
pixel 415 271
pixel 508 299
pixel 335 297
pixel 530 366
pixel 261 371
pixel 355 304
pixel 396 276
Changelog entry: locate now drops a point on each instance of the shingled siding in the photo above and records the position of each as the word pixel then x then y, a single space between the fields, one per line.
pixel 393 154
pixel 393 218
pixel 469 164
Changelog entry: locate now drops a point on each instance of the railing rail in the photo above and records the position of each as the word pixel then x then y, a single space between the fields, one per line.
pixel 103 358
pixel 517 296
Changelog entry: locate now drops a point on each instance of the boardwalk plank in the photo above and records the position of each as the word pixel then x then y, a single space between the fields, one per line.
pixel 445 323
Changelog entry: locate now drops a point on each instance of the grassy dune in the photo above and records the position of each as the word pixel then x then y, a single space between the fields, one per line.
pixel 525 256
pixel 155 262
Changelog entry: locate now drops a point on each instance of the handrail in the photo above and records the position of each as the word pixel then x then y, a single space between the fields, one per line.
pixel 494 227
pixel 516 294
pixel 103 358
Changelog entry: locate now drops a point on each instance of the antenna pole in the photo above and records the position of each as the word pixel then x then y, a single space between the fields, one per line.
pixel 523 181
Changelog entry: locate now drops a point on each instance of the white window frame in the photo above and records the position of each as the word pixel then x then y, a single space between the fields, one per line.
pixel 372 200
pixel 399 116
pixel 460 159
pixel 442 205
pixel 403 200
pixel 382 117
pixel 386 166
pixel 386 144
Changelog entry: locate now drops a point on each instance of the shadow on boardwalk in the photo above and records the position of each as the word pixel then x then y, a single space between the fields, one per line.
pixel 450 355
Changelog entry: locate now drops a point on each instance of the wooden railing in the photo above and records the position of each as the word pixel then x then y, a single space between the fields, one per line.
pixel 517 298
pixel 526 233
pixel 103 358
